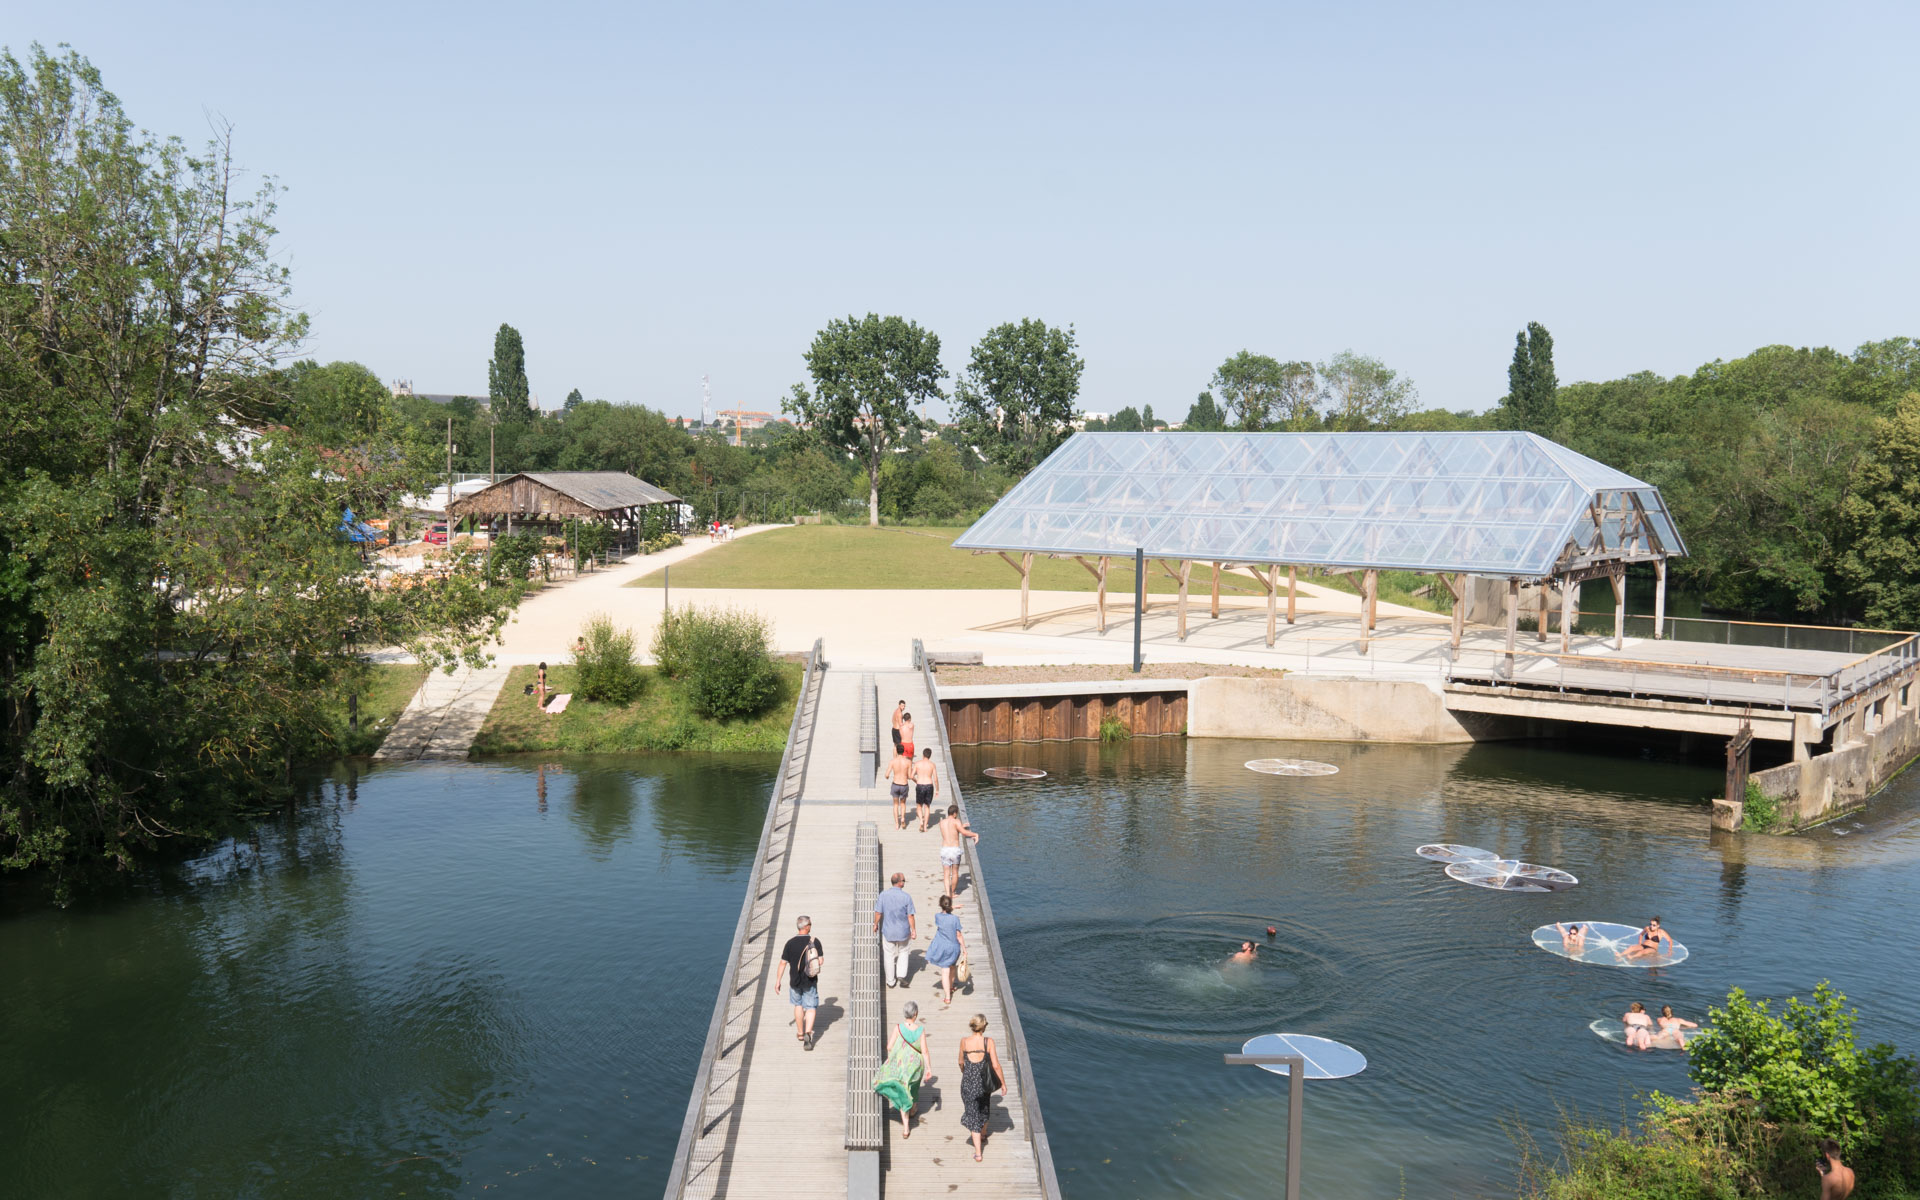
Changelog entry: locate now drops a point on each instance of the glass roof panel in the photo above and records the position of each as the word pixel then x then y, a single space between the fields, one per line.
pixel 1489 503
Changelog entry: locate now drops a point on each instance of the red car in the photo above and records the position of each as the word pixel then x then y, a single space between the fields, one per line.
pixel 436 535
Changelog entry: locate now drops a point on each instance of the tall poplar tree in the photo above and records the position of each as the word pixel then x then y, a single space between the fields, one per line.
pixel 1532 388
pixel 507 389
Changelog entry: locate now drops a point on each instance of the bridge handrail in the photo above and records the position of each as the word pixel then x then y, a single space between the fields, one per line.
pixel 1029 1096
pixel 710 1054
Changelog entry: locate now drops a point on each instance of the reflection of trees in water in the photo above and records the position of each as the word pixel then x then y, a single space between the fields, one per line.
pixel 710 808
pixel 601 805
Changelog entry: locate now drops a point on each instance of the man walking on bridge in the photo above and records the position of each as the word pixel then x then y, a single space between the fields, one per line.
pixel 899 774
pixel 802 957
pixel 893 921
pixel 952 829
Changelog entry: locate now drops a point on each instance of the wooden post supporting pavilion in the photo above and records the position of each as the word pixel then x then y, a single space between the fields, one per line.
pixel 1100 577
pixel 1216 591
pixel 1659 596
pixel 1025 567
pixel 1369 591
pixel 1271 582
pixel 1293 577
pixel 1618 578
pixel 1458 591
pixel 1513 620
pixel 1540 634
pixel 1568 590
pixel 1186 573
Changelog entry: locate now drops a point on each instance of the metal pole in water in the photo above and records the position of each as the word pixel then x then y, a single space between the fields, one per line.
pixel 1296 1101
pixel 1139 600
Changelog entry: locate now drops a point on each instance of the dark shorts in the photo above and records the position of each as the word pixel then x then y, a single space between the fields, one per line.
pixel 923 794
pixel 899 791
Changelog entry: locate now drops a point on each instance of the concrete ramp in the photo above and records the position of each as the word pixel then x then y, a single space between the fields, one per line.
pixel 444 716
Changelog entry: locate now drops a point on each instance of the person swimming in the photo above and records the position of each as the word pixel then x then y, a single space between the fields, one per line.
pixel 1639 1027
pixel 1573 938
pixel 1674 1027
pixel 1246 953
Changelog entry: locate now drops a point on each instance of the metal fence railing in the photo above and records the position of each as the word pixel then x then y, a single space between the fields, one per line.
pixel 866 1020
pixel 786 785
pixel 989 934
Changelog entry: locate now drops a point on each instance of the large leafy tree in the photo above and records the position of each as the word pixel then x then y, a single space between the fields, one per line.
pixel 868 373
pixel 507 389
pixel 1363 393
pixel 175 592
pixel 1204 415
pixel 1882 516
pixel 1532 386
pixel 1015 400
pixel 1259 392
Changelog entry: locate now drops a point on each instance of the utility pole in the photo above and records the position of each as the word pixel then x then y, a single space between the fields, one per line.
pixel 447 508
pixel 706 399
pixel 493 476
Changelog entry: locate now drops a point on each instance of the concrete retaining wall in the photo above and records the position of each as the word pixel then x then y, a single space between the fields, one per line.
pixel 1333 710
pixel 1845 776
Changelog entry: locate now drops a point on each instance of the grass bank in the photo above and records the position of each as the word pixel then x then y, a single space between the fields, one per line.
pixel 384 693
pixel 661 719
pixel 845 556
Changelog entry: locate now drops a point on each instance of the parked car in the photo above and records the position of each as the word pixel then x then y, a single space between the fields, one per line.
pixel 436 534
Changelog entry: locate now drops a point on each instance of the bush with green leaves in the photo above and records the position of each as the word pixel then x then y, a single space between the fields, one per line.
pixel 511 556
pixel 723 656
pixel 591 539
pixel 606 670
pixel 1762 812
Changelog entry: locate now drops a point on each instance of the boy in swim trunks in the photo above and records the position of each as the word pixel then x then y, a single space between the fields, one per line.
pixel 899 771
pixel 951 831
pixel 906 732
pixel 926 785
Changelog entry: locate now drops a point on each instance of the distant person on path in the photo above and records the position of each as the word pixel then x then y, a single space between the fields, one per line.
pixel 1639 1027
pixel 1836 1177
pixel 540 687
pixel 894 921
pixel 1674 1027
pixel 800 968
pixel 948 944
pixel 906 733
pixel 952 829
pixel 1650 938
pixel 899 711
pixel 899 774
pixel 899 1078
pixel 980 1077
pixel 926 785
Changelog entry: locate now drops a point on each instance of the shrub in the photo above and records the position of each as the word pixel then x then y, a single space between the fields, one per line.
pixel 510 557
pixel 1762 814
pixel 1113 729
pixel 606 670
pixel 723 657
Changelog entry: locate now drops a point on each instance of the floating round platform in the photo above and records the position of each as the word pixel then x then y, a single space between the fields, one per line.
pixel 1326 1059
pixel 1014 773
pixel 1291 766
pixel 1449 852
pixel 1507 875
pixel 1614 1030
pixel 1606 946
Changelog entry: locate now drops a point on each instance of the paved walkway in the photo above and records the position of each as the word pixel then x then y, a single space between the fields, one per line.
pixel 444 716
pixel 784 1137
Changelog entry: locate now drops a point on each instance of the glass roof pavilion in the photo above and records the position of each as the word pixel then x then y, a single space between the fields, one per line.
pixel 1500 504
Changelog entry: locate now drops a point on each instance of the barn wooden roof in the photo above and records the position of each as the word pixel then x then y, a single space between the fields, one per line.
pixel 562 493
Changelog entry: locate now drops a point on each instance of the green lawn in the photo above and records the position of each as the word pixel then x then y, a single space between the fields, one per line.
pixel 383 696
pixel 661 719
pixel 850 556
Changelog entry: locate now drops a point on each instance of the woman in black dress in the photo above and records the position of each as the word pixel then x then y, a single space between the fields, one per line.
pixel 980 1075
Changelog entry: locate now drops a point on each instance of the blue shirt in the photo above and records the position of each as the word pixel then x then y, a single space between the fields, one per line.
pixel 894 907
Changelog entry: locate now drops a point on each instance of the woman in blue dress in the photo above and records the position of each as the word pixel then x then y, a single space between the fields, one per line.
pixel 948 944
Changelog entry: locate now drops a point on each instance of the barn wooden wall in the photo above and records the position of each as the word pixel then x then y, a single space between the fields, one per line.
pixel 1061 718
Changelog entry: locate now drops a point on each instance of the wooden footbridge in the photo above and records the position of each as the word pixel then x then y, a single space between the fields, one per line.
pixel 768 1118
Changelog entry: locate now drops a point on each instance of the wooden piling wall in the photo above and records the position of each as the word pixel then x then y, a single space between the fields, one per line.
pixel 970 721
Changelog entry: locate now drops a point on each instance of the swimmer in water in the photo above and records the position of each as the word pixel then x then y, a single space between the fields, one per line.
pixel 1573 938
pixel 1649 944
pixel 1674 1027
pixel 1246 953
pixel 1639 1027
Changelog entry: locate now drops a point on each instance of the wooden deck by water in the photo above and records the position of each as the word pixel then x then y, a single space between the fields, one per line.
pixel 774 1121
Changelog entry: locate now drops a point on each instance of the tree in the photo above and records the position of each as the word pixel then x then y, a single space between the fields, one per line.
pixel 1146 419
pixel 1127 420
pixel 1205 416
pixel 1258 392
pixel 1882 561
pixel 1016 397
pixel 176 599
pixel 507 388
pixel 574 400
pixel 868 372
pixel 1532 388
pixel 1363 393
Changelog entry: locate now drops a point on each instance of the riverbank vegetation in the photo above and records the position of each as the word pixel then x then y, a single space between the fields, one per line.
pixel 178 601
pixel 1769 1085
pixel 661 717
pixel 361 712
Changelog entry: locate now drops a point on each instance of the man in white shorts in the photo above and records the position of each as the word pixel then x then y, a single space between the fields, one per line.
pixel 952 829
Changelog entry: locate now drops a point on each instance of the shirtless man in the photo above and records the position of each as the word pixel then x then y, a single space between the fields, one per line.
pixel 951 831
pixel 1650 938
pixel 899 710
pixel 899 771
pixel 906 730
pixel 1836 1177
pixel 1245 954
pixel 926 785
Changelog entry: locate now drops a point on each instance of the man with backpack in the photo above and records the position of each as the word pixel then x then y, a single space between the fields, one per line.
pixel 802 957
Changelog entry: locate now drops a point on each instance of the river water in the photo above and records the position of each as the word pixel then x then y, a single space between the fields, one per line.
pixel 495 978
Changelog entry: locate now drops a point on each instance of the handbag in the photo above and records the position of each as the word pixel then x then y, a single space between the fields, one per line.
pixel 962 971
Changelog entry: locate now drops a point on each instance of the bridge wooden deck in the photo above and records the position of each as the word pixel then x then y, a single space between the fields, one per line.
pixel 775 1121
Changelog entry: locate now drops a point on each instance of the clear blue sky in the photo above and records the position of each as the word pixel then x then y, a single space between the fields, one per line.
pixel 656 194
